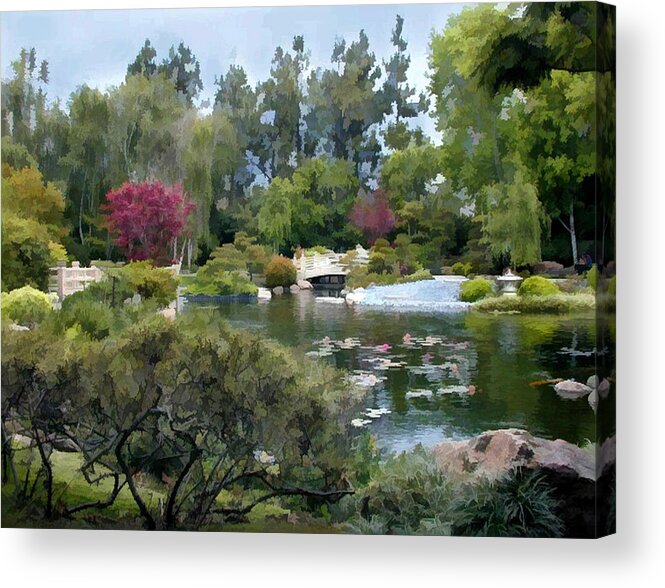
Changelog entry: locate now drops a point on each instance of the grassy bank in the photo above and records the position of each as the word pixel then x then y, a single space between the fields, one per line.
pixel 549 304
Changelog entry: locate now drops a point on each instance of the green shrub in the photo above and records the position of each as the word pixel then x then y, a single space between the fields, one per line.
pixel 538 286
pixel 476 289
pixel 26 306
pixel 382 262
pixel 83 313
pixel 214 279
pixel 462 269
pixel 411 495
pixel 520 504
pixel 612 286
pixel 150 282
pixel 229 258
pixel 417 276
pixel 113 288
pixel 316 250
pixel 592 277
pixel 280 271
pixel 554 304
pixel 223 284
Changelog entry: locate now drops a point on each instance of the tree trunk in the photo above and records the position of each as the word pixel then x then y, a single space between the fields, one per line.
pixel 48 470
pixel 573 236
pixel 143 509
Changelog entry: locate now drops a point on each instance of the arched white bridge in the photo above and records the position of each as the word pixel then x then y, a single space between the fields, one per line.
pixel 310 267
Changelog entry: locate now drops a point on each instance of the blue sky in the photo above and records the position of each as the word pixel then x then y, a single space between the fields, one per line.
pixel 95 46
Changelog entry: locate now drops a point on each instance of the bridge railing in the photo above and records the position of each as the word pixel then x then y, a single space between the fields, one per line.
pixel 330 263
pixel 67 280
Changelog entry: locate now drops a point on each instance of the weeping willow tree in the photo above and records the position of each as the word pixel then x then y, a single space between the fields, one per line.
pixel 275 214
pixel 515 220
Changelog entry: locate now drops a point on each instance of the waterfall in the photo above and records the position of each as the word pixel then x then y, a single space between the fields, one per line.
pixel 439 295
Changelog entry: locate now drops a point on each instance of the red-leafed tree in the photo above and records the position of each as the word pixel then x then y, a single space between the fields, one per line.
pixel 371 214
pixel 147 219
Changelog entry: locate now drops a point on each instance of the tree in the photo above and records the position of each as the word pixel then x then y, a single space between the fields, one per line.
pixel 144 64
pixel 555 56
pixel 148 219
pixel 144 126
pixel 236 169
pixel 399 95
pixel 22 96
pixel 31 227
pixel 515 220
pixel 371 214
pixel 183 69
pixel 276 213
pixel 344 105
pixel 188 406
pixel 281 111
pixel 87 161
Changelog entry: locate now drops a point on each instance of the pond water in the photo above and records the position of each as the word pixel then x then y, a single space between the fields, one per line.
pixel 431 377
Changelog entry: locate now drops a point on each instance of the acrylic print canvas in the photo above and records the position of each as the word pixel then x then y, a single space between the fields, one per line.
pixel 310 269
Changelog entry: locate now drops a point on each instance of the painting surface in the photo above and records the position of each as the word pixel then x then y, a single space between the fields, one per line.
pixel 342 269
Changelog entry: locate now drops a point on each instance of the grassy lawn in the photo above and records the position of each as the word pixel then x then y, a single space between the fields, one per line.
pixel 71 489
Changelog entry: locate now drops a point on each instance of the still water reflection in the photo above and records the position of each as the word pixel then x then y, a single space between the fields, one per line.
pixel 437 376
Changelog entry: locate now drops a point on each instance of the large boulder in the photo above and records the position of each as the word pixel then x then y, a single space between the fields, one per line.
pixel 294 288
pixel 278 290
pixel 572 389
pixel 496 452
pixel 305 285
pixel 549 268
pixel 569 470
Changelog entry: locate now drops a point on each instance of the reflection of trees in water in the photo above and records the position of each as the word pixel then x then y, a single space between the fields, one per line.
pixel 516 350
pixel 504 354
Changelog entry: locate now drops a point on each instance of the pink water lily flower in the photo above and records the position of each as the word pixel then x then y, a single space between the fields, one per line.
pixel 407 339
pixel 326 340
pixel 385 347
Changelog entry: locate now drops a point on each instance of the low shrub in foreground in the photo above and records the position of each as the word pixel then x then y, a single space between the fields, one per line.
pixel 26 306
pixel 411 495
pixel 538 286
pixel 280 271
pixel 553 304
pixel 214 411
pixel 475 290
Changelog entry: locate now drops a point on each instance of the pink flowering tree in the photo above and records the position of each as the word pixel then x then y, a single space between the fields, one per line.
pixel 147 219
pixel 372 216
